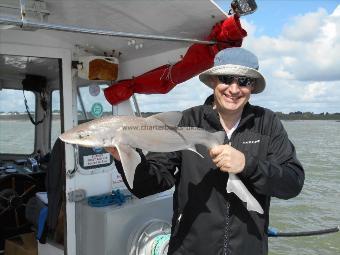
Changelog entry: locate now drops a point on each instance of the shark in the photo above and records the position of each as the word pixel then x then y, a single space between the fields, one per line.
pixel 157 133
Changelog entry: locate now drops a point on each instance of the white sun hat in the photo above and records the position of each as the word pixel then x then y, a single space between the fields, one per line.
pixel 235 61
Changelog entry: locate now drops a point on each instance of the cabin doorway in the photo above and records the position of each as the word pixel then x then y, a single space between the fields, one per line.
pixel 31 119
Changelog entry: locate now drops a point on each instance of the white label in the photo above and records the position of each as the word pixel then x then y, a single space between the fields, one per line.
pixel 97 159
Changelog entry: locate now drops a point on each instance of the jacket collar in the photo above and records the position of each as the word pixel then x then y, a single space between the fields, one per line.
pixel 212 117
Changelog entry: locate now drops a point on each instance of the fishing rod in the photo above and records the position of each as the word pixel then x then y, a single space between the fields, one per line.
pixel 273 232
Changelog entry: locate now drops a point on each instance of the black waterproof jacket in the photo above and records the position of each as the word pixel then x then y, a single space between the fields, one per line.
pixel 207 220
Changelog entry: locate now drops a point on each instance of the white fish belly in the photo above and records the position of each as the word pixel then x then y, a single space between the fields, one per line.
pixel 155 140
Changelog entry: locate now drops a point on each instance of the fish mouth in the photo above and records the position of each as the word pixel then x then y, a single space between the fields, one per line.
pixel 65 137
pixel 71 136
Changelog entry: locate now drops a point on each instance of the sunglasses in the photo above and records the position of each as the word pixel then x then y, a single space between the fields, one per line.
pixel 242 81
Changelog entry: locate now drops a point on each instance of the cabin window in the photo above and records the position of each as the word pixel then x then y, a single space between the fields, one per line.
pixel 92 102
pixel 14 120
pixel 55 118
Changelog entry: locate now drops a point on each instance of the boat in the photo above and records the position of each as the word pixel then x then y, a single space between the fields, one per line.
pixel 47 51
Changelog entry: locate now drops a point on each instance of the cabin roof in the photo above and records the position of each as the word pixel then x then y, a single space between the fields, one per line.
pixel 179 18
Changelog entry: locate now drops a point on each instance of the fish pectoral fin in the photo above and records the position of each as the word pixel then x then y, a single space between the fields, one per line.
pixel 236 186
pixel 170 119
pixel 193 149
pixel 130 160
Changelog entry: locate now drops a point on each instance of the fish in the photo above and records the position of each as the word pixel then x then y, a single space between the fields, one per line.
pixel 156 133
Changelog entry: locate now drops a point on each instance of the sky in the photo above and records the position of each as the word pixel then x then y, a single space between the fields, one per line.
pixel 298 46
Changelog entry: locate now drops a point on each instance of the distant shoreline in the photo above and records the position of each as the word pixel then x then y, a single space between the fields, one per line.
pixel 282 116
pixel 308 116
pixel 23 117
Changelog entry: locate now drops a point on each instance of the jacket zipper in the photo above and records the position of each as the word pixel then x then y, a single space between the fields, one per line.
pixel 227 224
pixel 227 231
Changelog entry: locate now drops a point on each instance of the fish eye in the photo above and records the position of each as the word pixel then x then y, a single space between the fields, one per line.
pixel 83 134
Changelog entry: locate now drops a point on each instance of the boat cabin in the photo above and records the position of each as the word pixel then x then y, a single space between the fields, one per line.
pixel 47 86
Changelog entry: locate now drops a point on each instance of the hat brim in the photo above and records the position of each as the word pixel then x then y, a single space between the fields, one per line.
pixel 229 69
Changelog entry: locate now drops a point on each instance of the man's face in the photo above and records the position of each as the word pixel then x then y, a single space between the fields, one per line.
pixel 230 98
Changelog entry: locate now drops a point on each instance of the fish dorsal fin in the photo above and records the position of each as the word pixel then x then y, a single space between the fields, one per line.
pixel 171 119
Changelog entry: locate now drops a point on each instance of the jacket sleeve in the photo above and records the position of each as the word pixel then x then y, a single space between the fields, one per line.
pixel 155 173
pixel 281 175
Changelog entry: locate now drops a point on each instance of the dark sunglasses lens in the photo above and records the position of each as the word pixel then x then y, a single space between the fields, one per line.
pixel 245 81
pixel 226 79
pixel 241 80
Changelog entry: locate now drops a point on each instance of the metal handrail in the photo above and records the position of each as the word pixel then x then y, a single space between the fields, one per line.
pixel 39 25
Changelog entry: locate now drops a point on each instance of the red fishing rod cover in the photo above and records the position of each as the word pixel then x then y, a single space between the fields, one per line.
pixel 198 58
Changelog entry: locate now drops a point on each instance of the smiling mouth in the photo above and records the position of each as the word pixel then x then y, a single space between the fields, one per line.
pixel 233 98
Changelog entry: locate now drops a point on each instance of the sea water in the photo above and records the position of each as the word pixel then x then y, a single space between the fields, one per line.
pixel 317 207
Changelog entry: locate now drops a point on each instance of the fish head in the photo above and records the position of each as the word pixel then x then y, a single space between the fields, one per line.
pixel 86 135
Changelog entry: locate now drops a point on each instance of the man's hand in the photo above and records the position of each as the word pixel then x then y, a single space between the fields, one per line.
pixel 228 159
pixel 114 152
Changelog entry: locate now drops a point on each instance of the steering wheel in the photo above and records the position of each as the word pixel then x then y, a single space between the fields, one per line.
pixel 15 191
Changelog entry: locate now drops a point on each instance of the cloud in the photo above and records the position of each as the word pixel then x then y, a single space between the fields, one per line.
pixel 308 48
pixel 301 65
pixel 313 91
pixel 13 100
pixel 284 95
pixel 304 27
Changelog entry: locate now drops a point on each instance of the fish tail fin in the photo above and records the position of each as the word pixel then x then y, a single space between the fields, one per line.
pixel 236 186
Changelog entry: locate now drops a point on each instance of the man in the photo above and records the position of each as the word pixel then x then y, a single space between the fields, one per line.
pixel 208 220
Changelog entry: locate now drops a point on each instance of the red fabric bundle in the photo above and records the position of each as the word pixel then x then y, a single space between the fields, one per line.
pixel 198 58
